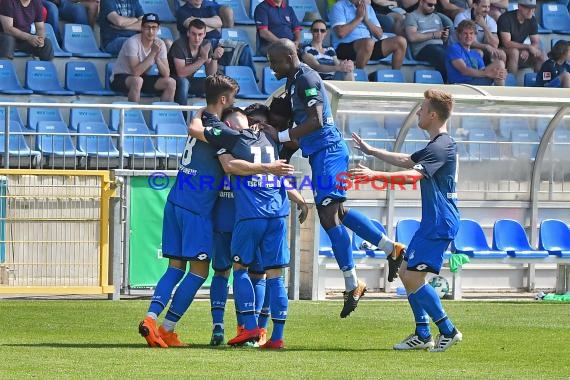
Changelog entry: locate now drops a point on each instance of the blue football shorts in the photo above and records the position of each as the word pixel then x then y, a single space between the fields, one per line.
pixel 329 167
pixel 186 235
pixel 426 255
pixel 266 236
pixel 222 257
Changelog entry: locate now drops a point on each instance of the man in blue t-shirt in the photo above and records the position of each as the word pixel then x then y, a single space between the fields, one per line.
pixel 436 168
pixel 321 141
pixel 187 225
pixel 464 65
pixel 118 20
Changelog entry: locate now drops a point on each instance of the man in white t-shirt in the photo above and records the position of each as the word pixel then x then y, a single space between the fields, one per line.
pixel 135 69
pixel 487 40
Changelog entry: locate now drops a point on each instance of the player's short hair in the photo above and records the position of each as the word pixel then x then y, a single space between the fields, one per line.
pixel 257 109
pixel 217 85
pixel 228 111
pixel 281 107
pixel 440 102
pixel 197 23
pixel 466 24
pixel 559 50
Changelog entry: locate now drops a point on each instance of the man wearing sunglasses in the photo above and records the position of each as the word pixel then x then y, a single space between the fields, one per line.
pixel 427 32
pixel 357 35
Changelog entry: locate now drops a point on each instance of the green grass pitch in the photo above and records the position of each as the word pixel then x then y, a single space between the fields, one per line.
pixel 57 339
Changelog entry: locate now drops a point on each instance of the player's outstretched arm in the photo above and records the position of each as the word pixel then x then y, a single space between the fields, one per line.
pixel 297 198
pixel 232 165
pixel 363 174
pixel 402 160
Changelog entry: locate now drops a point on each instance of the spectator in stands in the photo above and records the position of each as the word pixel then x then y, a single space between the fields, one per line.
pixel 466 66
pixel 427 32
pixel 357 35
pixel 118 21
pixel 236 54
pixel 451 8
pixel 23 29
pixel 487 41
pixel 275 19
pixel 554 72
pixel 498 7
pixel 74 11
pixel 390 15
pixel 514 28
pixel 409 5
pixel 323 59
pixel 138 54
pixel 187 54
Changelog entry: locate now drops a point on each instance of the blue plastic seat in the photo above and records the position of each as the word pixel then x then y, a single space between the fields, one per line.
pixel 428 76
pixel 270 83
pixel 529 79
pixel 405 230
pixel 95 140
pixel 9 83
pixel 53 139
pixel 247 85
pixel 409 59
pixel 388 75
pixel 554 237
pixel 509 124
pixel 325 245
pixel 240 15
pixel 79 40
pixel 79 115
pixel 301 7
pixel 17 145
pixel 160 7
pixel 483 144
pixel 236 34
pixel 57 50
pixel 525 143
pixel 138 142
pixel 164 33
pixel 132 116
pixel 372 250
pixel 556 18
pixel 171 138
pixel 360 75
pixel 37 114
pixel 470 240
pixel 377 137
pixel 357 123
pixel 82 78
pixel 415 140
pixel 560 144
pixel 468 122
pixel 158 117
pixel 41 78
pixel 509 236
pixel 511 80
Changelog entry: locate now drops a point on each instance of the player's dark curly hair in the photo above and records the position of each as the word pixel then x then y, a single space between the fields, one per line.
pixel 281 107
pixel 257 109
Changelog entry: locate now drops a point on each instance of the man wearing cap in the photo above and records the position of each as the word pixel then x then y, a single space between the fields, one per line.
pixel 138 54
pixel 514 27
pixel 118 20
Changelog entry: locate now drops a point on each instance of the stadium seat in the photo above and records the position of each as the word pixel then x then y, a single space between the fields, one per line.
pixel 80 41
pixel 236 34
pixel 138 142
pixel 530 79
pixel 240 15
pixel 14 114
pixel 94 140
pixel 132 116
pixel 554 237
pixel 376 136
pixel 387 75
pixel 371 250
pixel 41 78
pixel 468 122
pixel 9 83
pixel 57 50
pixel 247 85
pixel 525 143
pixel 556 18
pixel 37 114
pixel 271 84
pixel 393 124
pixel 470 240
pixel 53 139
pixel 325 245
pixel 81 77
pixel 108 72
pixel 509 236
pixel 160 7
pixel 164 33
pixel 428 76
pixel 17 145
pixel 301 7
pixel 252 5
pixel 483 144
pixel 405 230
pixel 509 124
pixel 511 80
pixel 560 144
pixel 409 59
pixel 158 117
pixel 360 75
pixel 79 115
pixel 415 140
pixel 171 139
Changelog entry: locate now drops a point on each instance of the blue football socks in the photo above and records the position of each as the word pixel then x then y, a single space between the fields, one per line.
pixel 340 241
pixel 430 302
pixel 183 297
pixel 218 298
pixel 279 304
pixel 263 320
pixel 164 289
pixel 420 316
pixel 362 226
pixel 245 298
pixel 259 290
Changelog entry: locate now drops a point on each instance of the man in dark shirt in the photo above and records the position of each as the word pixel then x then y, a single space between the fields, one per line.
pixel 514 27
pixel 275 19
pixel 118 20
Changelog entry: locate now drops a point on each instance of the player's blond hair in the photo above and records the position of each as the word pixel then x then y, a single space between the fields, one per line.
pixel 440 102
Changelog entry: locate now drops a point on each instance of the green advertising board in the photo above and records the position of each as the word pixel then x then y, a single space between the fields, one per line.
pixel 146 264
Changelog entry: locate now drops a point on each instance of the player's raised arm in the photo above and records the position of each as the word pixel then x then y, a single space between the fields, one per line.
pixel 402 160
pixel 196 127
pixel 232 165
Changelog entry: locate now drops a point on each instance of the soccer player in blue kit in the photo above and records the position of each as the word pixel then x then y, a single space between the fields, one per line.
pixel 321 141
pixel 436 166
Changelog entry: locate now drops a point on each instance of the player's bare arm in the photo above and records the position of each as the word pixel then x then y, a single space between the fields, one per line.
pixel 363 174
pixel 297 198
pixel 401 160
pixel 232 165
pixel 313 123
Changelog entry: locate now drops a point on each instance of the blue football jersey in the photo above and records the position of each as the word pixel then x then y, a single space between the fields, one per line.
pixel 225 209
pixel 438 164
pixel 305 90
pixel 258 196
pixel 199 173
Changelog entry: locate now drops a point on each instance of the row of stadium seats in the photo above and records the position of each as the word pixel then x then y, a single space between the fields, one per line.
pixel 509 240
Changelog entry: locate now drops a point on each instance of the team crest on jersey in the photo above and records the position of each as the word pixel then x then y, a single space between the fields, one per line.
pixel 311 92
pixel 217 131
